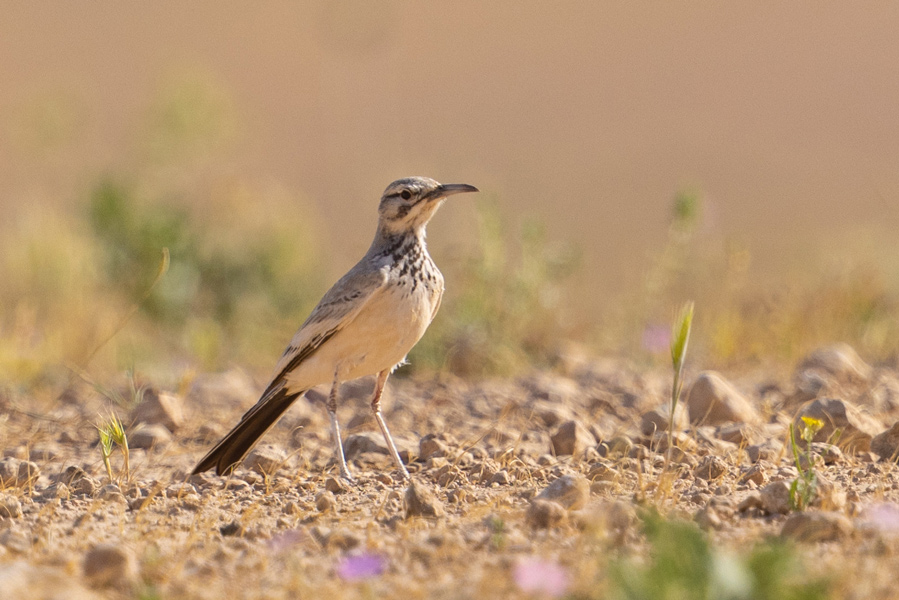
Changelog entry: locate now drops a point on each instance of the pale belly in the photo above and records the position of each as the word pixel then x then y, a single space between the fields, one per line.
pixel 377 339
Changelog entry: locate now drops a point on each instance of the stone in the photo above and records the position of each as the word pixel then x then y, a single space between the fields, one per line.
pixel 886 443
pixel 768 450
pixel 601 472
pixel 15 540
pixel 265 459
pixel 712 400
pixel 326 501
pixel 159 408
pixel 839 362
pixel 10 507
pixel 111 493
pixel 501 477
pixel 615 447
pixel 232 529
pixel 110 565
pixel 710 467
pixel 569 491
pixel 775 498
pixel 823 454
pixel 708 518
pixel 14 471
pixel 680 440
pixel 752 501
pixel 422 502
pixel 816 526
pixel 336 485
pixel 551 414
pixel 571 438
pixel 431 446
pixel 755 474
pixel 828 496
pixel 149 436
pixel 740 434
pixel 545 514
pixel 366 441
pixel 857 428
pixel 84 486
pixel 657 419
pixel 373 441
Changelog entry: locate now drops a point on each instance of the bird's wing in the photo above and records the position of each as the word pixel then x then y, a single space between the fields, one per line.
pixel 335 310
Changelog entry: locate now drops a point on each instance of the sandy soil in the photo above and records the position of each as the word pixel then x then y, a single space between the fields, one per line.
pixel 552 467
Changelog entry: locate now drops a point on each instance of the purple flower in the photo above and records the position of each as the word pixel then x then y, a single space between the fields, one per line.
pixel 361 566
pixel 656 338
pixel 883 517
pixel 538 576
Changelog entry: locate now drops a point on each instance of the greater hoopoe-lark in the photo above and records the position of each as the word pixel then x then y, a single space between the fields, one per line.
pixel 365 324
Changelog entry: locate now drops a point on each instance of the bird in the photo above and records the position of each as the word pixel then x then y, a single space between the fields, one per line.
pixel 366 324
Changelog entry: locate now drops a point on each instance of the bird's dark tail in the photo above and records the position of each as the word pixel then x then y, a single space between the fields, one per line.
pixel 234 446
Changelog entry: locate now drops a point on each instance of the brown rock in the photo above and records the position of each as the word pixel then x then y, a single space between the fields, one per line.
pixel 601 472
pixel 856 427
pixel 823 454
pixel 569 491
pixel 550 414
pixel 149 436
pixel 430 445
pixel 14 471
pixel 839 361
pixel 501 477
pixel 111 493
pixel 768 450
pixel 326 501
pixel 755 474
pixel 110 565
pixel 335 485
pixel 816 527
pixel 740 434
pixel 751 501
pixel 708 518
pixel 617 446
pixel 421 502
pixel 775 498
pixel 545 514
pixel 710 467
pixel 159 408
pixel 712 400
pixel 886 443
pixel 366 441
pixel 657 419
pixel 571 438
pixel 265 460
pixel 10 507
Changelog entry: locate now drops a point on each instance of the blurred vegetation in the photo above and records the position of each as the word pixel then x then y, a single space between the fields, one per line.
pixel 682 563
pixel 246 267
pixel 506 307
pixel 77 271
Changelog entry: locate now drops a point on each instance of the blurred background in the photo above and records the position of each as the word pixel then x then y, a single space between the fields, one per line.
pixel 630 157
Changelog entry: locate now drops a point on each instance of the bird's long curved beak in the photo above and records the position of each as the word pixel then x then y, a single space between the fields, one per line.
pixel 448 189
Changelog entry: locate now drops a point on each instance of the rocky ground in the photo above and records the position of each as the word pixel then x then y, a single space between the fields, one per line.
pixel 521 487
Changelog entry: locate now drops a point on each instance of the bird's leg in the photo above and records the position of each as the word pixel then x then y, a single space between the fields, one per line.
pixel 376 408
pixel 335 429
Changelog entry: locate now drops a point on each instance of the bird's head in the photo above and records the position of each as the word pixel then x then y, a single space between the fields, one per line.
pixel 408 204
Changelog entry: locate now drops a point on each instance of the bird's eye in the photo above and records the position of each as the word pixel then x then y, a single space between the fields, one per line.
pixel 405 194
